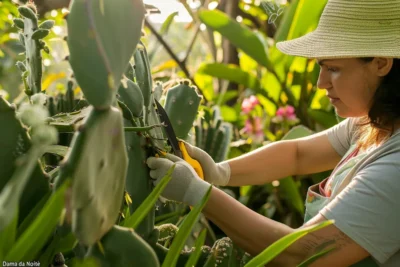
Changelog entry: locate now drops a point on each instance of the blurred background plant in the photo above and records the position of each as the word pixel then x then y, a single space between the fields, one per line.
pixel 227 49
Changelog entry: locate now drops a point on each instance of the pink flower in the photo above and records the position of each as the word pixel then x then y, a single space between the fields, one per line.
pixel 254 127
pixel 248 104
pixel 257 125
pixel 285 113
pixel 248 126
pixel 254 100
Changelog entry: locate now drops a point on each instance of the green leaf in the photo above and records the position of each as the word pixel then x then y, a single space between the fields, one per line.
pixel 326 119
pixel 87 262
pixel 271 86
pixel 59 243
pixel 279 246
pixel 184 231
pixel 282 32
pixel 228 113
pixel 298 131
pixel 269 106
pixel 57 150
pixel 239 35
pixel 12 191
pixel 7 236
pixel 206 84
pixel 140 213
pixel 290 192
pixel 16 175
pixel 313 258
pixel 247 64
pixel 194 257
pixel 34 238
pixel 167 23
pixel 299 18
pixel 47 256
pixel 225 96
pixel 169 215
pixel 306 18
pixel 33 214
pixel 231 73
pixel 66 243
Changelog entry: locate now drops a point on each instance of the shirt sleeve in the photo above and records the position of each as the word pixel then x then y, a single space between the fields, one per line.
pixel 367 210
pixel 342 135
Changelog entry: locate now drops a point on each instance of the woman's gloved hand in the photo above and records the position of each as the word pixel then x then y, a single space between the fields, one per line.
pixel 185 185
pixel 214 173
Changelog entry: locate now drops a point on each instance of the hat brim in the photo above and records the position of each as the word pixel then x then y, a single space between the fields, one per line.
pixel 318 45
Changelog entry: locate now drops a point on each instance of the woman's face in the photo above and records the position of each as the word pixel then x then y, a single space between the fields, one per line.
pixel 350 84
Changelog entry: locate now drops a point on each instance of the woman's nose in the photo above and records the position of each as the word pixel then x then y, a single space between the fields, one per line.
pixel 324 81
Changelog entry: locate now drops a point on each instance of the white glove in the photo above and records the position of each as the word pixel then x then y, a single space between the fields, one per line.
pixel 214 173
pixel 185 185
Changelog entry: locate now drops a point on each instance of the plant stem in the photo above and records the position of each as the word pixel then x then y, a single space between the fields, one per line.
pixel 192 43
pixel 142 129
pixel 180 63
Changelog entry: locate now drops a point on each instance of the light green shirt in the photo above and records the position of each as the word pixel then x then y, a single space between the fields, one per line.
pixel 365 198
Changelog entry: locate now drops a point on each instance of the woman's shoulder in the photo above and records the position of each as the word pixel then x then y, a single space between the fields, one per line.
pixel 385 156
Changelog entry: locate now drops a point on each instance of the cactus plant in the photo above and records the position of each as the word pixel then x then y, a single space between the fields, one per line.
pixel 189 101
pixel 118 246
pixel 131 95
pixel 96 198
pixel 213 135
pixel 143 75
pixel 225 253
pixel 166 233
pixel 114 129
pixel 31 36
pixel 138 184
pixel 96 56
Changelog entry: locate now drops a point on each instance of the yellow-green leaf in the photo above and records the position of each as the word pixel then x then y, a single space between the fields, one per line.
pixel 279 246
pixel 239 35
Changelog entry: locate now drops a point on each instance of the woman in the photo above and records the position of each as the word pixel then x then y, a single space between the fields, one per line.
pixel 357 45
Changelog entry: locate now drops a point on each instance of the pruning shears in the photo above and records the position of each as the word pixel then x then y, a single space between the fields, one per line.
pixel 178 147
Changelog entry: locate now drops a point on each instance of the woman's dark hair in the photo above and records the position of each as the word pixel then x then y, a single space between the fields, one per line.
pixel 384 113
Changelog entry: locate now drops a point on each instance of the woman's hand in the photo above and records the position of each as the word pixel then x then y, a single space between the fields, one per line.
pixel 214 173
pixel 185 185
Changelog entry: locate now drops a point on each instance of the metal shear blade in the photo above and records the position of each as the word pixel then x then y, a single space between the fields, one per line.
pixel 173 141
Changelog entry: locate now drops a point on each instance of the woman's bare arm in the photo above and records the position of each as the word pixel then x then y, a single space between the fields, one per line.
pixel 254 233
pixel 280 159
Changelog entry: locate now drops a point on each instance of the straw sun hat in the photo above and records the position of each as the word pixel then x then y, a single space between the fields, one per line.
pixel 351 28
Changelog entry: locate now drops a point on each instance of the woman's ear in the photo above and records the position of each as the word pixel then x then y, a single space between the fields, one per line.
pixel 383 65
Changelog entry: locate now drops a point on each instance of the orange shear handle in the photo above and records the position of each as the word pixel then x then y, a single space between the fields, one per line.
pixel 194 163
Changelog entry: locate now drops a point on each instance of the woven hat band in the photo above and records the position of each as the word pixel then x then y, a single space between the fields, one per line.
pixel 357 29
pixel 364 10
